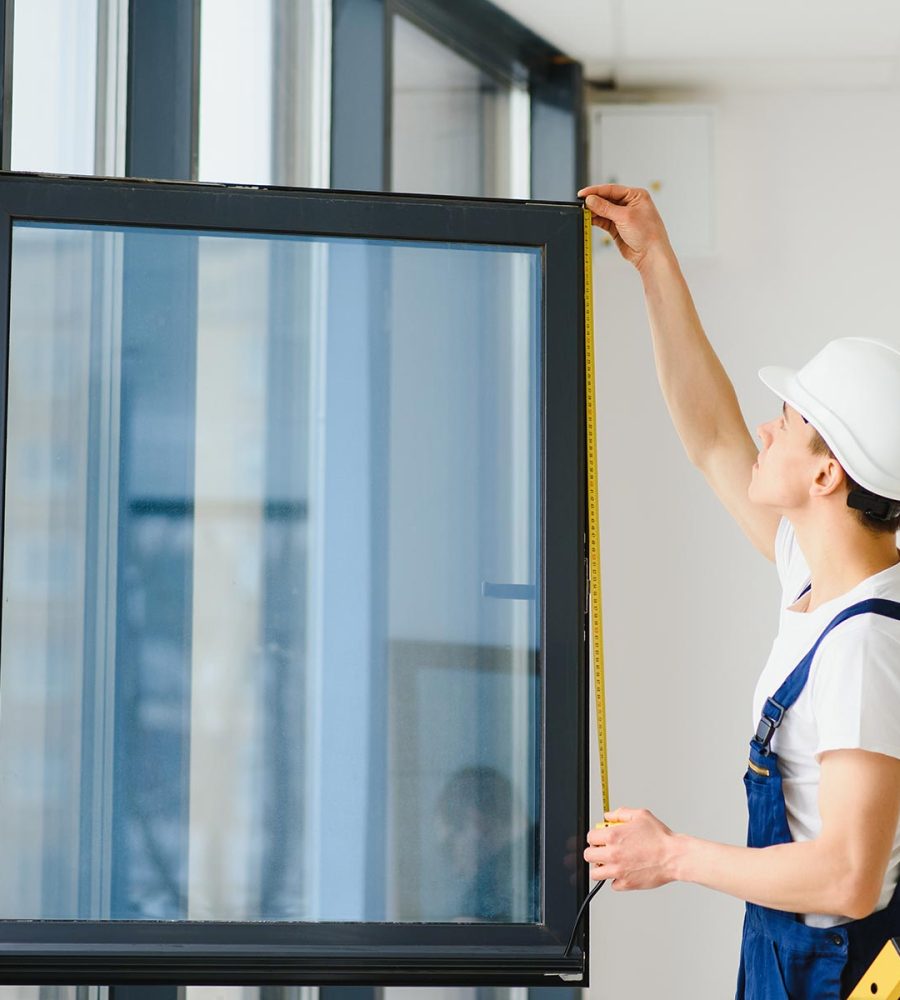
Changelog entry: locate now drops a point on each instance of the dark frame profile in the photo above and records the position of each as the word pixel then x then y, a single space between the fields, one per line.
pixel 272 953
pixel 7 12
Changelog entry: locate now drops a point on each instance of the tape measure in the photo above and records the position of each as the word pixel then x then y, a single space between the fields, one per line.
pixel 593 512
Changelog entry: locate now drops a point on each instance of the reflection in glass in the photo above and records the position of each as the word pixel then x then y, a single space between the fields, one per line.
pixel 55 92
pixel 451 127
pixel 54 992
pixel 265 499
pixel 70 74
pixel 235 118
pixel 264 92
pixel 477 840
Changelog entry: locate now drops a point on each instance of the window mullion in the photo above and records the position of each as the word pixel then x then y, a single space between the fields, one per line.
pixel 6 64
pixel 163 88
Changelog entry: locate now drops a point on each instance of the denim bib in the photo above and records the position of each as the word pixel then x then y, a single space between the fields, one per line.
pixel 781 957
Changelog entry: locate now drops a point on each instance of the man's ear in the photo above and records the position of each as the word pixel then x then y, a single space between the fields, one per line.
pixel 829 479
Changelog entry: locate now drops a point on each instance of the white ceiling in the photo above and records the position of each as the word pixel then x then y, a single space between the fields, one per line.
pixel 724 44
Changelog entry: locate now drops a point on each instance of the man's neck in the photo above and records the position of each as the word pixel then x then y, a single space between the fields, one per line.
pixel 841 554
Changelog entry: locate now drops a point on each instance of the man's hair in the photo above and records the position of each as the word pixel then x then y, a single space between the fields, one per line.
pixel 877 526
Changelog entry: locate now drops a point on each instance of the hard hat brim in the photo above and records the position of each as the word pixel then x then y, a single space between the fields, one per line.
pixel 784 383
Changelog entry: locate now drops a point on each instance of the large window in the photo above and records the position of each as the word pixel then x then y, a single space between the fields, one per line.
pixel 291 659
pixel 404 95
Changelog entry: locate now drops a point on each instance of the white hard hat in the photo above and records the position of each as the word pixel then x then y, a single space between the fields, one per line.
pixel 850 393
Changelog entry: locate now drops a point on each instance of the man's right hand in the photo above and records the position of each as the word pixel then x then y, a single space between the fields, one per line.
pixel 630 218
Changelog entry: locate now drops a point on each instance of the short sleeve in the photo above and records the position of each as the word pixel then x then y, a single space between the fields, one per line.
pixel 856 691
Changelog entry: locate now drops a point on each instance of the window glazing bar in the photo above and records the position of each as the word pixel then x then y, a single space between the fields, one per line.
pixel 360 97
pixel 163 89
pixel 6 63
pixel 146 993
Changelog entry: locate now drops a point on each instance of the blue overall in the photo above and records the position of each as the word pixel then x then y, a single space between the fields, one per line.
pixel 781 957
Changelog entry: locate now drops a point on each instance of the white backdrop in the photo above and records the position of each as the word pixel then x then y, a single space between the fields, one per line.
pixel 808 208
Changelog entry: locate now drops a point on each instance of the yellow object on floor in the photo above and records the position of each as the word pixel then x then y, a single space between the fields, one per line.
pixel 882 979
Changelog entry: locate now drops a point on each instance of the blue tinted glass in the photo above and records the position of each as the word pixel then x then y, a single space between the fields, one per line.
pixel 270 604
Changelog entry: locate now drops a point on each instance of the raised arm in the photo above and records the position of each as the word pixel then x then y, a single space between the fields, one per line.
pixel 696 388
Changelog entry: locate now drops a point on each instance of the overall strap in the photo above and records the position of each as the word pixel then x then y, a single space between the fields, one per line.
pixel 775 707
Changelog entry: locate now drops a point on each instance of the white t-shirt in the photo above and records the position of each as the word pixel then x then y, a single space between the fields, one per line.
pixel 851 699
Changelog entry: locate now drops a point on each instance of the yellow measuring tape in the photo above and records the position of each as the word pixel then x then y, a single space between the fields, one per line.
pixel 594 512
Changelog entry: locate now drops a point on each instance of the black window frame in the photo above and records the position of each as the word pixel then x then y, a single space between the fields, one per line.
pixel 158 952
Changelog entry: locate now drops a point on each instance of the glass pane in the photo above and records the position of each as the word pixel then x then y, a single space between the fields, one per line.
pixel 236 92
pixel 270 630
pixel 248 993
pixel 53 993
pixel 263 76
pixel 451 129
pixel 55 86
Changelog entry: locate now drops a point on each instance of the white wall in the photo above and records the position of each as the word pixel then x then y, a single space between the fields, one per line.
pixel 808 206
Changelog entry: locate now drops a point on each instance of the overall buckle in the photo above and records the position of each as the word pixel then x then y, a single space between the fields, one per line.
pixel 768 724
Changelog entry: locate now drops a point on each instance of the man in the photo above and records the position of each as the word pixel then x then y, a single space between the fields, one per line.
pixel 821 498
